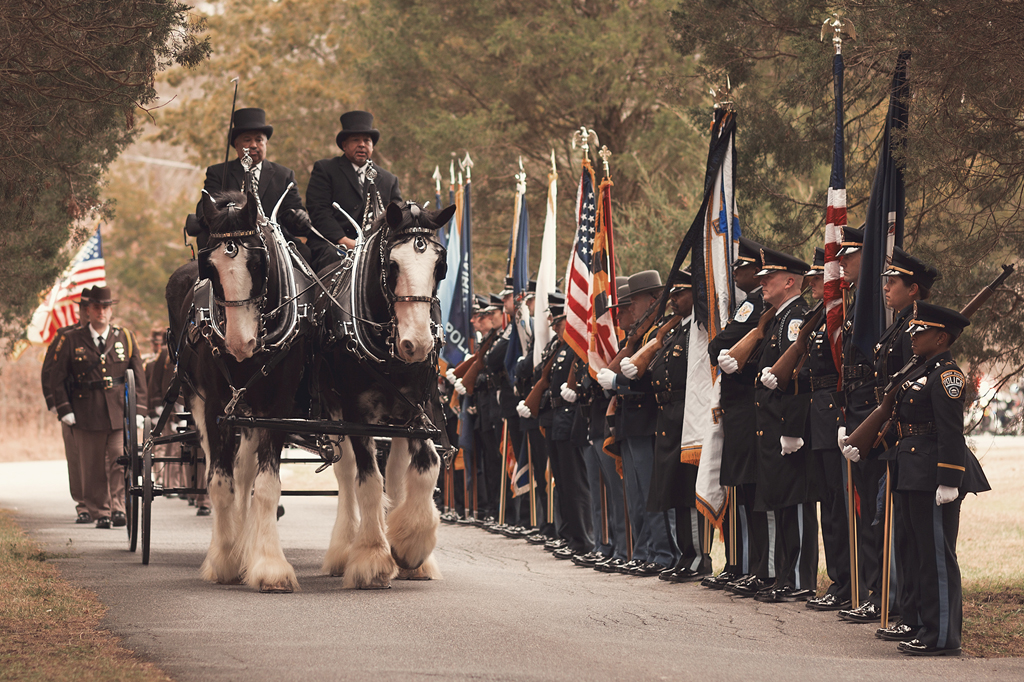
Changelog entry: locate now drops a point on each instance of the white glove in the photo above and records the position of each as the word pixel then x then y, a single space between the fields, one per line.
pixel 728 363
pixel 460 387
pixel 628 368
pixel 523 410
pixel 945 494
pixel 69 419
pixel 790 444
pixel 769 380
pixel 450 375
pixel 154 421
pixel 568 395
pixel 606 378
pixel 140 422
pixel 159 410
pixel 471 410
pixel 183 424
pixel 849 452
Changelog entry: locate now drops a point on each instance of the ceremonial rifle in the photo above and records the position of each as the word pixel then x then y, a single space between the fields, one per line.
pixel 745 347
pixel 463 367
pixel 643 357
pixel 873 429
pixel 629 347
pixel 537 392
pixel 469 378
pixel 792 360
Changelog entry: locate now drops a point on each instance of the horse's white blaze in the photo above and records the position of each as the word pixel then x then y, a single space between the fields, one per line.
pixel 415 278
pixel 241 322
pixel 221 564
pixel 347 520
pixel 369 563
pixel 412 525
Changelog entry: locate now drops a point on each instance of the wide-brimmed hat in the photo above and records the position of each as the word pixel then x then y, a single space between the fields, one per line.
pixel 100 296
pixel 644 281
pixel 245 120
pixel 621 292
pixel 85 296
pixel 357 123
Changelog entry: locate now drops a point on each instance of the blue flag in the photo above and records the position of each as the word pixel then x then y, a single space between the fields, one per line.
pixel 458 329
pixel 883 227
pixel 518 269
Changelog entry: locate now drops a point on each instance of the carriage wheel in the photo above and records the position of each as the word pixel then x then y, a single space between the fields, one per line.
pixel 131 454
pixel 147 502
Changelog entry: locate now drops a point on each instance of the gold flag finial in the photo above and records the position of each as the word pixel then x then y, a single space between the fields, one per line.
pixel 605 154
pixel 838 26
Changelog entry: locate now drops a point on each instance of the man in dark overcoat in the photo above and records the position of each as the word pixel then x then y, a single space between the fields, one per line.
pixel 342 180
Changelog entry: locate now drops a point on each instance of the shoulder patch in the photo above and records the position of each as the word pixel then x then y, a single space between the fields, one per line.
pixel 953 383
pixel 794 329
pixel 744 311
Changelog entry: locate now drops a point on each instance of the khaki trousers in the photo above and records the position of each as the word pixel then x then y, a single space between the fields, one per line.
pixel 74 468
pixel 102 476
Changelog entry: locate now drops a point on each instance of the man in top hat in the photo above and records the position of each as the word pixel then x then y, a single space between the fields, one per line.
pixel 47 374
pixel 936 470
pixel 343 180
pixel 739 459
pixel 788 480
pixel 250 131
pixel 654 546
pixel 89 395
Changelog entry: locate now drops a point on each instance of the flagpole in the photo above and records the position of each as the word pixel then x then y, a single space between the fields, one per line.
pixel 504 472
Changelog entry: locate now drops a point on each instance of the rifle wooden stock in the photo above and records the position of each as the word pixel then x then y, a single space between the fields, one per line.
pixel 476 363
pixel 873 429
pixel 537 392
pixel 570 381
pixel 629 347
pixel 786 367
pixel 643 357
pixel 745 347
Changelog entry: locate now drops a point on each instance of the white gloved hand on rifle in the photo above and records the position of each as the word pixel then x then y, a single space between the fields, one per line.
pixel 523 410
pixel 568 395
pixel 460 388
pixel 945 494
pixel 69 419
pixel 606 378
pixel 628 368
pixel 728 363
pixel 769 380
pixel 140 422
pixel 849 452
pixel 450 375
pixel 790 444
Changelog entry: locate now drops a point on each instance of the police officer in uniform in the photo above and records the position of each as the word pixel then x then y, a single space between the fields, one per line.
pixel 739 458
pixel 70 451
pixel 89 394
pixel 935 471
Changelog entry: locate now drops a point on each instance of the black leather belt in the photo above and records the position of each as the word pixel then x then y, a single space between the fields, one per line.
pixel 106 382
pixel 920 429
pixel 829 382
pixel 636 400
pixel 665 397
pixel 558 401
pixel 857 372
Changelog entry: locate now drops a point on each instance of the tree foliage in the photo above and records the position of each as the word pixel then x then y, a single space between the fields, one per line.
pixel 72 75
pixel 963 151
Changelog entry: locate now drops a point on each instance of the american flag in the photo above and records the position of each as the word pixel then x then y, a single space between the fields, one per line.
pixel 604 342
pixel 60 307
pixel 579 273
pixel 835 220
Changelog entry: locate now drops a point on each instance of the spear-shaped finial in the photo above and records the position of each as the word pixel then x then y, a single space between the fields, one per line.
pixel 723 94
pixel 466 164
pixel 521 178
pixel 437 179
pixel 839 26
pixel 451 171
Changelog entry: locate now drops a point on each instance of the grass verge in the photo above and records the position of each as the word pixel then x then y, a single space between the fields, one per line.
pixel 993 620
pixel 49 629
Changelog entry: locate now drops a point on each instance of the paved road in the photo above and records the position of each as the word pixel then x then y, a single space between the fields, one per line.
pixel 504 611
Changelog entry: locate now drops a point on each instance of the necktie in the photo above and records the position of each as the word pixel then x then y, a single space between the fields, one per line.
pixel 362 178
pixel 99 343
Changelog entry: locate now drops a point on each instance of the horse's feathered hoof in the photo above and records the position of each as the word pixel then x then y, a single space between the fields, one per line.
pixel 402 564
pixel 413 574
pixel 373 586
pixel 276 589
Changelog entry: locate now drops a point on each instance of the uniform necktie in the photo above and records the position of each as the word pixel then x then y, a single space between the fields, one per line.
pixel 99 343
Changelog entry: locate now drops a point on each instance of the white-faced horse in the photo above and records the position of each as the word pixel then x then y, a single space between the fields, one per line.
pixel 376 363
pixel 242 353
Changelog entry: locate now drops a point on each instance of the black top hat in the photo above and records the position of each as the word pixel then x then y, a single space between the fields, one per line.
pixel 777 261
pixel 818 266
pixel 931 316
pixel 357 123
pixel 684 280
pixel 99 295
pixel 853 239
pixel 644 281
pixel 913 270
pixel 245 120
pixel 750 254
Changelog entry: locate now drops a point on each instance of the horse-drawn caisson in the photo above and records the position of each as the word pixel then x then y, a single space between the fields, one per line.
pixel 267 350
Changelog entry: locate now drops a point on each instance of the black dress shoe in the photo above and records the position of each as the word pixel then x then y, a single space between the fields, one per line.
pixel 513 531
pixel 865 613
pixel 782 594
pixel 564 553
pixel 916 647
pixel 449 517
pixel 588 560
pixel 749 587
pixel 609 565
pixel 495 528
pixel 118 519
pixel 203 511
pixel 718 582
pixel 537 539
pixel 667 574
pixel 628 566
pixel 687 575
pixel 828 602
pixel 103 522
pixel 555 544
pixel 280 511
pixel 649 570
pixel 83 517
pixel 898 632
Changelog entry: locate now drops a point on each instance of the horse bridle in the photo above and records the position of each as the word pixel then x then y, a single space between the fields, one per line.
pixel 231 250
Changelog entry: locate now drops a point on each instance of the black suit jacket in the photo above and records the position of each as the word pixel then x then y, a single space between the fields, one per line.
pixel 335 180
pixel 274 178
